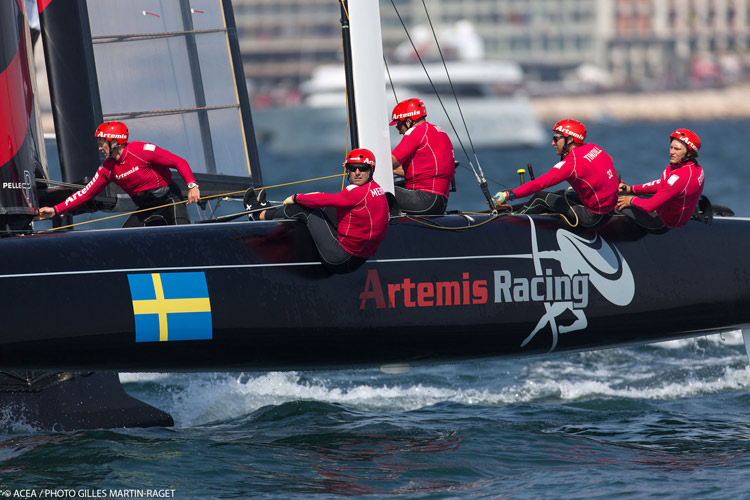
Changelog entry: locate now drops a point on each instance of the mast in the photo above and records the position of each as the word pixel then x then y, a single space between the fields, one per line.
pixel 367 73
pixel 347 46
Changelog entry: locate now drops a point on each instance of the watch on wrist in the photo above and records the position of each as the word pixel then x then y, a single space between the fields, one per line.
pixel 192 185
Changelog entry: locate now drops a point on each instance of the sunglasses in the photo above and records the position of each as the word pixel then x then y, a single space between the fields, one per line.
pixel 361 168
pixel 556 138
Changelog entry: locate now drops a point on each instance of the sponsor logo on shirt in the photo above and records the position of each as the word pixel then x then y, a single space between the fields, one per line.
pixel 149 147
pixel 592 154
pixel 672 179
pixel 123 175
pixel 73 197
pixel 378 191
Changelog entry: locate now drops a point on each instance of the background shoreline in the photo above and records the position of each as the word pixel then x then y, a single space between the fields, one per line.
pixel 728 103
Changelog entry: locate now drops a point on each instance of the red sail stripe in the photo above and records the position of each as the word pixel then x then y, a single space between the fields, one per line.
pixel 42 4
pixel 15 104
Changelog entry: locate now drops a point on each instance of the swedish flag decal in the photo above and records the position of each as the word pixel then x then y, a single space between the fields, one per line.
pixel 170 306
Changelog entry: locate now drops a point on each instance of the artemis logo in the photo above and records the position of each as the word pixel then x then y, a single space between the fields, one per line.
pixel 73 197
pixel 567 131
pixel 408 293
pixel 401 116
pixel 559 280
pixel 598 260
pixel 125 174
pixel 111 136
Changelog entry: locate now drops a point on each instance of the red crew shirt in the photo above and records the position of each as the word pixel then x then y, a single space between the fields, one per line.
pixel 142 166
pixel 676 194
pixel 426 153
pixel 589 170
pixel 362 212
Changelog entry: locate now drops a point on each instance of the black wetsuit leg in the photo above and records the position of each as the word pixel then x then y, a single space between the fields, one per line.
pixel 324 235
pixel 415 202
pixel 645 220
pixel 174 213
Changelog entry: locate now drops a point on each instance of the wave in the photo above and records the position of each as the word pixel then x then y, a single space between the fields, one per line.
pixel 628 374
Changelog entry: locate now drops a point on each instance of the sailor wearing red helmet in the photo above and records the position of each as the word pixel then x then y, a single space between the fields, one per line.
pixel 586 167
pixel 675 194
pixel 142 170
pixel 424 158
pixel 361 212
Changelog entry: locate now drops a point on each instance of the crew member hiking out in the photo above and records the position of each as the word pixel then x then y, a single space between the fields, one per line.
pixel 586 167
pixel 142 170
pixel 361 212
pixel 675 194
pixel 424 158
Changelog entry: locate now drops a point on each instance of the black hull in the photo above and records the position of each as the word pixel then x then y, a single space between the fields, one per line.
pixel 67 401
pixel 515 286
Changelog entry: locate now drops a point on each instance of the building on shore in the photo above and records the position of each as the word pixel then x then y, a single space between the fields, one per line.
pixel 624 43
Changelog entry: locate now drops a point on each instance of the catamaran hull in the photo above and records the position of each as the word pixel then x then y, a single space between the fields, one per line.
pixel 254 295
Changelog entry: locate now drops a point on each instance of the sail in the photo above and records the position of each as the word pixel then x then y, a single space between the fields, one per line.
pixel 171 70
pixel 20 134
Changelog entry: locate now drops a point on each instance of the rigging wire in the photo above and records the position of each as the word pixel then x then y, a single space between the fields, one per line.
pixel 50 182
pixel 480 178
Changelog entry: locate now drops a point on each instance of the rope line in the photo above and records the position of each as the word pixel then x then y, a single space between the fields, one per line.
pixel 223 195
pixel 424 222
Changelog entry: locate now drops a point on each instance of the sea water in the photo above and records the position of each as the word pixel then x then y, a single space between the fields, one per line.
pixel 668 420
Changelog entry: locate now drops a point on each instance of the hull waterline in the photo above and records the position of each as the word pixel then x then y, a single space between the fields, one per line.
pixel 261 300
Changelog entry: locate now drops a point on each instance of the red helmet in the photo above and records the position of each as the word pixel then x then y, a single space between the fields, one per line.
pixel 117 131
pixel 571 128
pixel 689 137
pixel 410 108
pixel 360 156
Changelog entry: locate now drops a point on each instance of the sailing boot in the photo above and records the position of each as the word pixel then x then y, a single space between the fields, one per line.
pixel 255 203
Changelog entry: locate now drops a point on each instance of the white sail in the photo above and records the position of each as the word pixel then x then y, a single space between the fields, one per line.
pixel 369 86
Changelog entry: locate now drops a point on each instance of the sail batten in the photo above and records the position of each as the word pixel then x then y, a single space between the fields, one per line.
pixel 158 112
pixel 114 38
